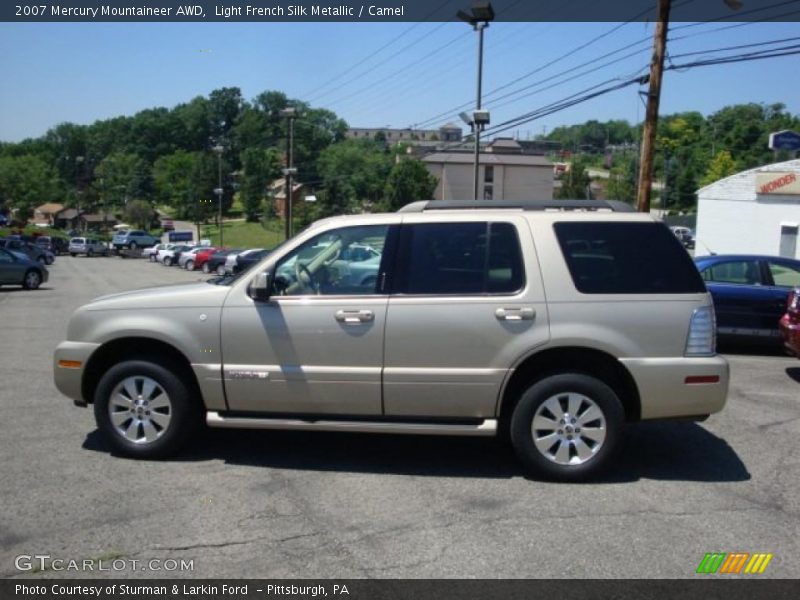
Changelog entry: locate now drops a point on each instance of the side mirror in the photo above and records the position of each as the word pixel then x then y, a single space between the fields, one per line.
pixel 260 287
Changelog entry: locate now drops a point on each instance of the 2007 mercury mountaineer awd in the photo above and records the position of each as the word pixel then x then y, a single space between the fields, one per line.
pixel 555 322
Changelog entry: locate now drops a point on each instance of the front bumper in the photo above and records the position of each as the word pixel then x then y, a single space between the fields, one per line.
pixel 668 388
pixel 69 364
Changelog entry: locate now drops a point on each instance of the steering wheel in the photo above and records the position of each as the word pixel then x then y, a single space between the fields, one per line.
pixel 299 269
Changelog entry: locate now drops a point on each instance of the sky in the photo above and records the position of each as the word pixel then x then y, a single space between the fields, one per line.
pixel 375 74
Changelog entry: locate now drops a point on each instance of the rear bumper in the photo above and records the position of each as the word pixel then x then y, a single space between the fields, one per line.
pixel 69 363
pixel 679 387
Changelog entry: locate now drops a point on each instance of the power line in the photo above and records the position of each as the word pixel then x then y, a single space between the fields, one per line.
pixel 738 47
pixel 373 54
pixel 556 60
pixel 401 70
pixel 381 63
pixel 488 96
pixel 555 107
pixel 371 102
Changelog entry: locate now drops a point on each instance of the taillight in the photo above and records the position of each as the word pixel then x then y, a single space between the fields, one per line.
pixel 793 302
pixel 702 339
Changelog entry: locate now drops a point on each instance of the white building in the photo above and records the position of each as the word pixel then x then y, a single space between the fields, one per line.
pixel 752 212
pixel 504 173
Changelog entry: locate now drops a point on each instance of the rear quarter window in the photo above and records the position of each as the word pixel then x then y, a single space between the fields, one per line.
pixel 627 258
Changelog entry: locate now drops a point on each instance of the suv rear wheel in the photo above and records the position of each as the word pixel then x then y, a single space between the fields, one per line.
pixel 144 409
pixel 567 426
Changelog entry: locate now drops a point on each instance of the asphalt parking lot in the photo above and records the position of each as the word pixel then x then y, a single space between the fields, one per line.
pixel 288 505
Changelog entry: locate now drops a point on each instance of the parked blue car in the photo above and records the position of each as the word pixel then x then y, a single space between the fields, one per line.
pixel 749 294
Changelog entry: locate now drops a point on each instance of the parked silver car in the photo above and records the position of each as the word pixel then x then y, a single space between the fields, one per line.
pixel 88 246
pixel 554 322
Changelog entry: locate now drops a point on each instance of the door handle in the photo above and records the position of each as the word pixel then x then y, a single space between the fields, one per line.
pixel 515 314
pixel 355 316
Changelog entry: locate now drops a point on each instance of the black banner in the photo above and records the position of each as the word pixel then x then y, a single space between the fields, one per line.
pixel 391 10
pixel 707 588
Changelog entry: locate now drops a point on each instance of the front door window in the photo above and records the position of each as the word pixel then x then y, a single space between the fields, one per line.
pixel 342 262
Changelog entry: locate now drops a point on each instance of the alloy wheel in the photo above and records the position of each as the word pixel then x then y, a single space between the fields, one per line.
pixel 140 409
pixel 569 428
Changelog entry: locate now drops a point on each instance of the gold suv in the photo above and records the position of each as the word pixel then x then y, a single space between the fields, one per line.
pixel 555 322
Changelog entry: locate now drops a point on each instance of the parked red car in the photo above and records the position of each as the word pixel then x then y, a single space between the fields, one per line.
pixel 201 257
pixel 790 323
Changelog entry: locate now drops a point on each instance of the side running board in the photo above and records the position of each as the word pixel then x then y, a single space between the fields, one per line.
pixel 487 427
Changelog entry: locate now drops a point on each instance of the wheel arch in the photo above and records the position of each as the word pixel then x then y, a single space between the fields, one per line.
pixel 135 348
pixel 572 359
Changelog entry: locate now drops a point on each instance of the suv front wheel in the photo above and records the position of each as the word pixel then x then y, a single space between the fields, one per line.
pixel 144 409
pixel 567 426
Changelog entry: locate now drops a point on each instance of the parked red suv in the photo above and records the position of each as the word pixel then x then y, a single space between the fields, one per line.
pixel 790 323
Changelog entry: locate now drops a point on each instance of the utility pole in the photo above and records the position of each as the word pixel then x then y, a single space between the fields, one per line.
pixel 219 149
pixel 651 115
pixel 290 114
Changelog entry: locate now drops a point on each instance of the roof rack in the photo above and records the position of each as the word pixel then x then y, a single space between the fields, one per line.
pixel 588 205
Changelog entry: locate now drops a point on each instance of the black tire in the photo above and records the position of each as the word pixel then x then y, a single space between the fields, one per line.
pixel 206 268
pixel 49 261
pixel 557 387
pixel 189 266
pixel 221 270
pixel 185 411
pixel 132 246
pixel 73 254
pixel 32 279
pixel 90 253
pixel 167 261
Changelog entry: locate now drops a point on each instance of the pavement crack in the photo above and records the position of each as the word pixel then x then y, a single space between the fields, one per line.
pixel 233 543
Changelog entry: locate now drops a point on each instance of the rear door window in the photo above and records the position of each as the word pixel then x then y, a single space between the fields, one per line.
pixel 459 259
pixel 784 275
pixel 627 258
pixel 738 272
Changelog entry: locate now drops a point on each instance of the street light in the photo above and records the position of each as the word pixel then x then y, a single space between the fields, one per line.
pixel 290 114
pixel 479 17
pixel 78 161
pixel 219 149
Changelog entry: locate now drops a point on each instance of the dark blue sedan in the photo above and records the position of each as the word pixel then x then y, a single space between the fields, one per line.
pixel 749 293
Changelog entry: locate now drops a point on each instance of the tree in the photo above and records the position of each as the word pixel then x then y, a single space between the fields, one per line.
pixel 25 183
pixel 722 165
pixel 139 213
pixel 622 181
pixel 409 180
pixel 353 173
pixel 186 182
pixel 260 168
pixel 575 183
pixel 120 176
